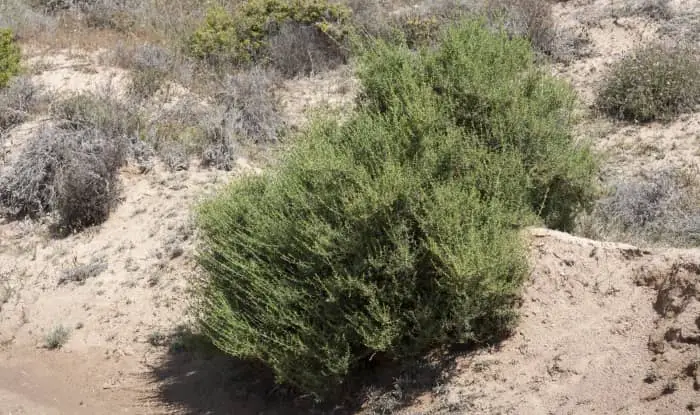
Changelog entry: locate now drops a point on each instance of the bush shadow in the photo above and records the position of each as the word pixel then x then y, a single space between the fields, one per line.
pixel 194 378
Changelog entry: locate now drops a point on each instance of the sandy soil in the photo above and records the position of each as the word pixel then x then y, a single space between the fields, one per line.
pixel 606 327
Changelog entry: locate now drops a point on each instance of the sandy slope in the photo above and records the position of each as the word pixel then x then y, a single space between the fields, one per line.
pixel 606 328
pixel 597 335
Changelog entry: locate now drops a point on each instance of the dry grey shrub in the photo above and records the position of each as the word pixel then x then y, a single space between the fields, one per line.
pixel 17 101
pixel 86 183
pixel 52 6
pixel 684 26
pixel 71 173
pixel 140 154
pixel 175 134
pixel 71 168
pixel 150 66
pixel 533 19
pixel 244 111
pixel 27 187
pixel 250 107
pixel 24 21
pixel 370 17
pixel 654 9
pixel 657 206
pixel 191 129
pixel 57 338
pixel 298 49
pixel 109 14
pixel 220 148
pixel 99 111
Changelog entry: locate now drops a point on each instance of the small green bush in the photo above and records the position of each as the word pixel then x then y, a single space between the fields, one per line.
pixel 652 83
pixel 57 338
pixel 9 57
pixel 396 230
pixel 243 36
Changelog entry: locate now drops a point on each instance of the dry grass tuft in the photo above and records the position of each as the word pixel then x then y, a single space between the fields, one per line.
pixel 56 338
pixel 81 272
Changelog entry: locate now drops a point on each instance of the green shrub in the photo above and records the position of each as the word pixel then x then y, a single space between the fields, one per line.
pixel 418 30
pixel 57 338
pixel 9 57
pixel 242 37
pixel 652 83
pixel 396 230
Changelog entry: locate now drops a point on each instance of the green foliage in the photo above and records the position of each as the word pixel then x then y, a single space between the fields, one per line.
pixel 502 101
pixel 396 230
pixel 9 57
pixel 242 36
pixel 652 83
pixel 419 30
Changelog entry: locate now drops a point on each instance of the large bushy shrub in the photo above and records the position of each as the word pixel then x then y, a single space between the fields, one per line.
pixel 9 57
pixel 397 229
pixel 243 36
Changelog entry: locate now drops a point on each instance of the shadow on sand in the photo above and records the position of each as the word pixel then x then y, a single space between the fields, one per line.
pixel 194 378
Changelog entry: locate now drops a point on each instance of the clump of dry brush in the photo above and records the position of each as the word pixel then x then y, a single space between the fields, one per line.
pixel 70 168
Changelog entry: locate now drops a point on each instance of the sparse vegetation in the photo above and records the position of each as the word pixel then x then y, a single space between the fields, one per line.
pixel 81 272
pixel 531 19
pixel 97 111
pixel 389 231
pixel 9 57
pixel 244 111
pixel 57 338
pixel 250 107
pixel 654 9
pixel 299 49
pixel 396 230
pixel 652 83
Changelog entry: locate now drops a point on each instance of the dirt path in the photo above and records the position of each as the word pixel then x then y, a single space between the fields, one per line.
pixel 53 382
